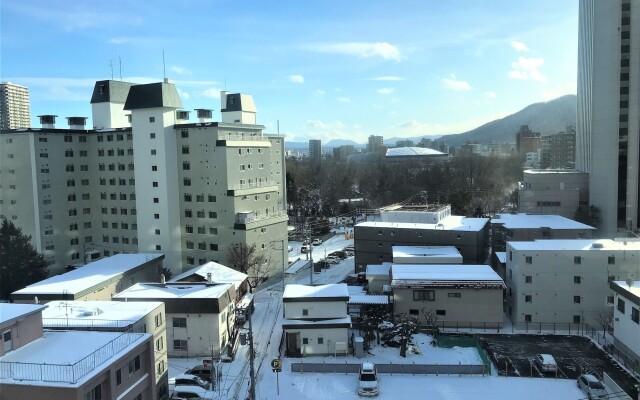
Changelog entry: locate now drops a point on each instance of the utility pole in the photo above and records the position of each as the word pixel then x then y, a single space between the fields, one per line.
pixel 213 372
pixel 252 372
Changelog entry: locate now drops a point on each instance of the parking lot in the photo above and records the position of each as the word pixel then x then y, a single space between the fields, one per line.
pixel 512 355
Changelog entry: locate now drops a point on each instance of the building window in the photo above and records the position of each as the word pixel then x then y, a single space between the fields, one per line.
pixel 611 260
pixel 320 340
pixel 419 295
pixel 621 305
pixel 576 299
pixel 441 312
pixel 528 279
pixel 528 298
pixel 153 152
pixel 413 311
pixel 455 295
pixel 609 300
pixel 179 322
pixel 576 319
pixel 156 216
pixel 180 345
pixel 152 119
pixel 635 315
pixel 527 318
pixel 528 259
pixel 577 260
pixel 577 279
pixel 94 394
pixel 154 184
pixel 119 377
pixel 134 365
pixel 305 312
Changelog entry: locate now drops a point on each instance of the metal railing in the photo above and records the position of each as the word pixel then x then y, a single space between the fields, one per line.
pixel 392 368
pixel 241 137
pixel 70 373
pixel 86 324
pixel 606 341
pixel 256 218
pixel 516 327
pixel 252 185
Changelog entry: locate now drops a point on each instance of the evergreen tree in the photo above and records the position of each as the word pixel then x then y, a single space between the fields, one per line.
pixel 20 264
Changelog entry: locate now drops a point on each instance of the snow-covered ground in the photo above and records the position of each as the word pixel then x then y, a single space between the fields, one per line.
pixel 267 334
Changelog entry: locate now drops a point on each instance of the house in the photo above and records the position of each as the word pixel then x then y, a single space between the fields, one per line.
pixel 426 255
pixel 566 281
pixel 62 365
pixel 374 240
pixel 216 273
pixel 454 295
pixel 378 278
pixel 200 315
pixel 626 318
pixel 115 316
pixel 99 280
pixel 316 320
pixel 527 227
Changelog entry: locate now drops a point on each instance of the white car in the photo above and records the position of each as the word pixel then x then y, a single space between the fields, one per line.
pixel 316 241
pixel 546 363
pixel 368 380
pixel 188 380
pixel 592 387
pixel 332 259
pixel 190 392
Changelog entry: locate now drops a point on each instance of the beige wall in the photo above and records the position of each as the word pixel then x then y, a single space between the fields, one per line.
pixel 330 336
pixel 23 331
pixel 478 306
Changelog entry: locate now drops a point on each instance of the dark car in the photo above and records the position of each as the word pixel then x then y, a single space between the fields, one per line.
pixel 201 371
pixel 340 254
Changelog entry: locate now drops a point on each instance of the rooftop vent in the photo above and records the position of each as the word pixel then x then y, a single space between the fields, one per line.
pixel 77 122
pixel 48 121
pixel 204 115
pixel 597 245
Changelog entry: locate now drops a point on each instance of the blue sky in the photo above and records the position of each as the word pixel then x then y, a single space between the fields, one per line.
pixel 324 69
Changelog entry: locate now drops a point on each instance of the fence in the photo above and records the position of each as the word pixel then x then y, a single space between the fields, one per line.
pixel 606 341
pixel 615 389
pixel 516 327
pixel 449 341
pixel 70 373
pixel 391 368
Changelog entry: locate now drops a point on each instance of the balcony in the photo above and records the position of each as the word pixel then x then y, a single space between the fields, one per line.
pixel 229 139
pixel 249 220
pixel 245 189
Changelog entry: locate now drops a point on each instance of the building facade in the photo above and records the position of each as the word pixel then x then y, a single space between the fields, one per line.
pixel 558 192
pixel 527 141
pixel 566 281
pixel 608 119
pixel 559 150
pixel 375 144
pixel 315 150
pixel 626 318
pixel 125 186
pixel 15 108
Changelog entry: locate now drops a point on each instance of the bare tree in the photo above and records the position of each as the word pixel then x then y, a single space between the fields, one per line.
pixel 249 260
pixel 430 317
pixel 604 318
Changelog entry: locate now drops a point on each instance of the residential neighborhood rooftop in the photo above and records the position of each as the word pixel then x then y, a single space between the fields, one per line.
pixel 60 313
pixel 175 290
pixel 502 256
pixel 575 244
pixel 530 221
pixel 632 292
pixel 90 275
pixel 375 269
pixel 305 291
pixel 219 274
pixel 425 251
pixel 450 223
pixel 10 311
pixel 463 274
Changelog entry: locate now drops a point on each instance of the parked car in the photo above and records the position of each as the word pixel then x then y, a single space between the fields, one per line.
pixel 305 248
pixel 368 380
pixel 189 393
pixel 350 248
pixel 188 380
pixel 332 259
pixel 546 363
pixel 201 372
pixel 306 241
pixel 323 264
pixel 317 241
pixel 593 388
pixel 339 253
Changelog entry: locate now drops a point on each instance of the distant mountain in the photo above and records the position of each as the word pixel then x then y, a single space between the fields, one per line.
pixel 547 118
pixel 416 139
pixel 341 142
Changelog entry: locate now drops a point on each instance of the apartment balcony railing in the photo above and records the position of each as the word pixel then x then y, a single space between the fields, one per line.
pixel 248 219
pixel 69 373
pixel 252 185
pixel 240 137
pixel 242 189
pixel 87 324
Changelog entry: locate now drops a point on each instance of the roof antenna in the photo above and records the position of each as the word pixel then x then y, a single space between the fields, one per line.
pixel 278 122
pixel 164 67
pixel 111 68
pixel 120 61
pixel 225 84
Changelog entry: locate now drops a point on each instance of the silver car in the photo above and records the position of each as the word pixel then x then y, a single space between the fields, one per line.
pixel 592 387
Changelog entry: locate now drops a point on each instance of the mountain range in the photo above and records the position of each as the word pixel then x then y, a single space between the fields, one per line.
pixel 546 117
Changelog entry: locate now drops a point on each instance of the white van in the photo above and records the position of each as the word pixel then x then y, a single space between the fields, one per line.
pixel 368 380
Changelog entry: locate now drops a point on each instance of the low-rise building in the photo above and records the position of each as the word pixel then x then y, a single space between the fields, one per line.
pixel 449 295
pixel 566 281
pixel 426 255
pixel 626 318
pixel 99 280
pixel 316 319
pixel 62 365
pixel 553 191
pixel 115 316
pixel 378 278
pixel 526 227
pixel 213 272
pixel 200 315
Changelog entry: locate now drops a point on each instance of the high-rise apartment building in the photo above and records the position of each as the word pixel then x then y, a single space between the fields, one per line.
pixel 375 144
pixel 527 141
pixel 315 150
pixel 559 150
pixel 155 184
pixel 607 140
pixel 15 111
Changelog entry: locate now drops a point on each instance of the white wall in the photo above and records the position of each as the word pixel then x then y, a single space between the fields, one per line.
pixel 329 336
pixel 625 329
pixel 317 309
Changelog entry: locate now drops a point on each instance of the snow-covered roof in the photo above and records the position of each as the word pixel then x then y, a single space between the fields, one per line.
pixel 425 251
pixel 10 311
pixel 63 352
pixel 413 152
pixel 450 223
pixel 296 266
pixel 376 269
pixel 92 274
pixel 630 292
pixel 174 290
pixel 530 221
pixel 96 313
pixel 502 256
pixel 302 322
pixel 552 171
pixel 330 291
pixel 404 275
pixel 219 274
pixel 575 244
pixel 368 299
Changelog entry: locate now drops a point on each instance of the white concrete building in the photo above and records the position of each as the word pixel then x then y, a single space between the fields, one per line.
pixel 15 108
pixel 608 119
pixel 316 319
pixel 146 179
pixel 426 255
pixel 566 281
pixel 200 316
pixel 626 317
pixel 553 191
pixel 378 278
pixel 115 316
pixel 212 272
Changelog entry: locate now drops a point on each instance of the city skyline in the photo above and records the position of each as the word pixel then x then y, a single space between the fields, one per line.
pixel 324 71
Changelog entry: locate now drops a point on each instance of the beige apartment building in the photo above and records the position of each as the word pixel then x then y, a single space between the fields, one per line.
pixel 15 108
pixel 143 170
pixel 566 281
pixel 71 365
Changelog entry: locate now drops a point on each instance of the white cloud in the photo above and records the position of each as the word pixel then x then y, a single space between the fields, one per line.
pixel 213 93
pixel 296 78
pixel 383 50
pixel 527 68
pixel 316 125
pixel 180 70
pixel 519 46
pixel 385 90
pixel 183 95
pixel 559 90
pixel 387 78
pixel 344 100
pixel 490 94
pixel 454 83
pixel 417 128
pixel 319 92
